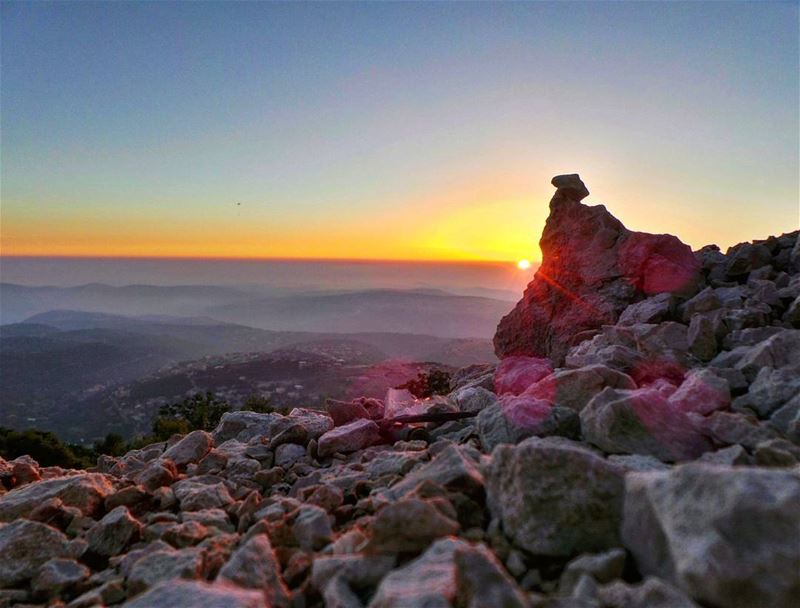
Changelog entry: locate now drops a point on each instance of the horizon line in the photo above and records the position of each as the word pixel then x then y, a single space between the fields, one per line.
pixel 264 259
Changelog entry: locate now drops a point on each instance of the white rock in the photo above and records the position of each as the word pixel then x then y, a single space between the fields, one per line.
pixel 351 437
pixel 24 547
pixel 190 448
pixel 728 536
pixel 196 594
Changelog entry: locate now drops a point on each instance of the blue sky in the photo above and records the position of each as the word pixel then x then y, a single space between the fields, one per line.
pixel 390 130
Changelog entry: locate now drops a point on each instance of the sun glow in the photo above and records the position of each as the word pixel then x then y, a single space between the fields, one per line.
pixel 524 264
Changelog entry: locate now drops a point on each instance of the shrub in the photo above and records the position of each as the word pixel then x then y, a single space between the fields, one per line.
pixel 44 447
pixel 113 444
pixel 262 405
pixel 435 382
pixel 201 412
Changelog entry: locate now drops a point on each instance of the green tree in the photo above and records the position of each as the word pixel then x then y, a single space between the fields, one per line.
pixel 201 412
pixel 435 382
pixel 113 444
pixel 261 405
pixel 44 447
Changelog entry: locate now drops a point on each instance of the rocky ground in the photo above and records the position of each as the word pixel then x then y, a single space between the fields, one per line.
pixel 638 446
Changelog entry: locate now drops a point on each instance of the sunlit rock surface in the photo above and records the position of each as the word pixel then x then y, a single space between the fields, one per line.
pixel 592 269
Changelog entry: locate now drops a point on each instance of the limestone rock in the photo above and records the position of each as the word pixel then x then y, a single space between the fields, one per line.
pixel 409 525
pixel 351 437
pixel 338 594
pixel 732 455
pixel 771 389
pixel 192 594
pixel 191 448
pixel 300 426
pixel 641 421
pixel 745 257
pixel 481 580
pixel 59 575
pixel 24 547
pixel 343 412
pixel 216 518
pixel 702 337
pixel 650 593
pixel 592 269
pixel 25 470
pixel 638 462
pixel 706 301
pixel 650 310
pixel 112 534
pixel 85 492
pixel 359 570
pixel 477 375
pixel 571 186
pixel 520 417
pixel 164 566
pixel 156 474
pixel 326 496
pixel 644 351
pixel 780 350
pixel 132 497
pixel 702 392
pixel 254 566
pixel 196 496
pixel 554 497
pixel 451 469
pixel 126 562
pixel 451 572
pixel 776 453
pixel 786 419
pixel 473 398
pixel 792 314
pixel 312 528
pixel 289 453
pixel 574 388
pixel 516 373
pixel 741 549
pixel 243 426
pixel 186 534
pixel 730 428
pixel 602 567
pixel 213 462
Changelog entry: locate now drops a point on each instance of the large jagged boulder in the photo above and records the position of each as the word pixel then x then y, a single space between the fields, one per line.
pixel 592 269
pixel 554 497
pixel 728 536
pixel 451 572
pixel 24 547
pixel 642 421
pixel 114 532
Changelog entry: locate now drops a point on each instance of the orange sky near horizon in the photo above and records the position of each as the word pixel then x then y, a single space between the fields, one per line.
pixel 495 218
pixel 389 131
pixel 490 221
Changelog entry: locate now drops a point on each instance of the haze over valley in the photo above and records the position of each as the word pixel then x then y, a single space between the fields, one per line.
pixel 85 360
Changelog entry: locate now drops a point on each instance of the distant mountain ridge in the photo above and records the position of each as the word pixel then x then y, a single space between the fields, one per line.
pixel 426 311
pixel 18 302
pixel 402 311
pixel 57 364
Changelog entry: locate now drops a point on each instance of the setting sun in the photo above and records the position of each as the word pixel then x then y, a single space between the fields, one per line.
pixel 524 264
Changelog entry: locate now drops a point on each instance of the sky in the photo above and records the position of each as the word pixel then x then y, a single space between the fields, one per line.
pixel 389 130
